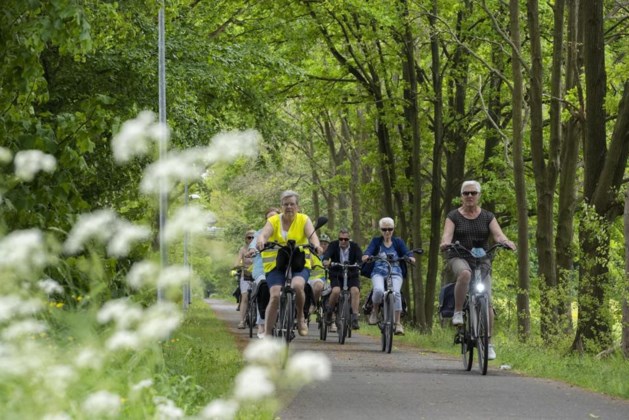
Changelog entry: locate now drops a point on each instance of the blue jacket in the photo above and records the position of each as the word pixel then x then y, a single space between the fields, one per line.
pixel 374 247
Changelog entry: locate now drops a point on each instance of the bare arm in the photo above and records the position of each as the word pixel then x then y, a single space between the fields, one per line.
pixel 311 234
pixel 498 235
pixel 448 234
pixel 264 235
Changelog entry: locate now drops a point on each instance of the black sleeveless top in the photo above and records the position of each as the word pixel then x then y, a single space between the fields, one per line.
pixel 470 232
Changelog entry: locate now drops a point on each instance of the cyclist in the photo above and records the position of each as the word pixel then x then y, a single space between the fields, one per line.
pixel 385 245
pixel 244 262
pixel 471 226
pixel 340 251
pixel 262 289
pixel 288 225
pixel 317 278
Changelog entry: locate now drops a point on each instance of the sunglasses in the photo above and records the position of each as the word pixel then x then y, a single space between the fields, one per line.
pixel 469 193
pixel 249 237
pixel 387 229
pixel 343 239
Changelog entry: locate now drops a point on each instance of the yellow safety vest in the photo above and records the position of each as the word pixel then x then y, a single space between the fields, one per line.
pixel 316 271
pixel 295 233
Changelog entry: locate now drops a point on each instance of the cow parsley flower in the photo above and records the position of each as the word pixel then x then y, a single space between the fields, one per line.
pixel 228 145
pixel 24 251
pixel 174 276
pixel 268 352
pixel 27 327
pixel 5 155
pixel 166 409
pixel 159 321
pixel 136 136
pixel 192 220
pixel 14 306
pixel 102 403
pixel 308 366
pixel 220 410
pixel 98 225
pixel 50 287
pixel 126 234
pixel 124 340
pixel 253 383
pixel 122 311
pixel 143 273
pixel 29 162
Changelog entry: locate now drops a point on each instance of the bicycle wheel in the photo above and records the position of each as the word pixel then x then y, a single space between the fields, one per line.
pixel 482 337
pixel 389 321
pixel 467 347
pixel 252 314
pixel 289 318
pixel 342 318
pixel 277 329
pixel 323 327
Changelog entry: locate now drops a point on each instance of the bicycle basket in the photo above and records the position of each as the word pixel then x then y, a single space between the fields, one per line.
pixel 446 301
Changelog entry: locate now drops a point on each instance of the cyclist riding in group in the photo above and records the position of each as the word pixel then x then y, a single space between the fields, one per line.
pixel 294 226
pixel 318 277
pixel 343 250
pixel 470 226
pixel 385 245
pixel 243 264
pixel 262 289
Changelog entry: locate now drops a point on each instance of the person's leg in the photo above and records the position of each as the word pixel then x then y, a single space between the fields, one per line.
pixel 355 294
pixel 271 309
pixel 377 283
pixel 297 284
pixel 244 300
pixel 397 287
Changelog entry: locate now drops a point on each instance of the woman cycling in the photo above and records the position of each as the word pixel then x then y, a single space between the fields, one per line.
pixel 244 262
pixel 385 245
pixel 288 225
pixel 469 225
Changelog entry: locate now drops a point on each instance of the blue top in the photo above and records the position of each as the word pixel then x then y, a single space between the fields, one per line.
pixel 376 247
pixel 258 269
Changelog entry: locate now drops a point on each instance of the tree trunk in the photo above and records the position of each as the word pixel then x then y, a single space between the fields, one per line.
pixel 570 145
pixel 625 301
pixel 544 182
pixel 523 310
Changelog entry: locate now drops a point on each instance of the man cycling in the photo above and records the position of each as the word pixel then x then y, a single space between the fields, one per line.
pixel 341 251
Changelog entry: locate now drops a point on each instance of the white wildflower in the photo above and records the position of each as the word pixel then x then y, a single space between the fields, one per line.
pixel 50 287
pixel 27 327
pixel 126 234
pixel 89 358
pixel 220 410
pixel 136 136
pixel 59 377
pixel 253 383
pixel 143 384
pixel 159 321
pixel 122 311
pixel 227 146
pixel 5 155
pixel 143 273
pixel 14 306
pixel 166 409
pixel 102 403
pixel 29 162
pixel 174 275
pixel 24 251
pixel 268 352
pixel 192 220
pixel 124 340
pixel 185 166
pixel 57 416
pixel 97 225
pixel 309 366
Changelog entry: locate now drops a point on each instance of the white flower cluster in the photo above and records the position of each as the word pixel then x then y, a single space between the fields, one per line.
pixel 192 220
pixel 266 375
pixel 105 226
pixel 29 162
pixel 136 137
pixel 24 252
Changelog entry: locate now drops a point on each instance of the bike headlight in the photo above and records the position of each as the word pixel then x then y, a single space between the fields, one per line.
pixel 480 287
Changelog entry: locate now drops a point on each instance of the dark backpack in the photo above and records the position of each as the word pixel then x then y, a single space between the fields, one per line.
pixel 446 301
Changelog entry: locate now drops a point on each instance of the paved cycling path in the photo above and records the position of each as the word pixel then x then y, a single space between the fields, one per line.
pixel 413 384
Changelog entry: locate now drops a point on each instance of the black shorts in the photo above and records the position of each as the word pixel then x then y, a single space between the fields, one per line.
pixel 352 281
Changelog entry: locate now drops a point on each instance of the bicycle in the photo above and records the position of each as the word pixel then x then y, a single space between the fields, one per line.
pixel 344 305
pixel 240 273
pixel 386 322
pixel 252 309
pixel 284 327
pixel 475 329
pixel 321 305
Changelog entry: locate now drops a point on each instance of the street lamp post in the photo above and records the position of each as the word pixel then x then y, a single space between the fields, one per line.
pixel 187 294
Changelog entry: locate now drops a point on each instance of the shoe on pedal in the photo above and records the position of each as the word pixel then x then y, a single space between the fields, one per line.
pixel 373 318
pixel 303 328
pixel 399 329
pixel 333 327
pixel 491 353
pixel 241 325
pixel 355 325
pixel 457 318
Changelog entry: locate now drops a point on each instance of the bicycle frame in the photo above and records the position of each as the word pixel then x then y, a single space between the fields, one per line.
pixel 344 310
pixel 387 321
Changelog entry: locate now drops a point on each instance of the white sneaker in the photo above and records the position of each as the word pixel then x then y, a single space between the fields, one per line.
pixel 373 317
pixel 491 353
pixel 457 318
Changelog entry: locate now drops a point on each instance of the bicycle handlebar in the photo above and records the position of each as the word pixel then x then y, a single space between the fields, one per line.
pixel 345 264
pixel 489 252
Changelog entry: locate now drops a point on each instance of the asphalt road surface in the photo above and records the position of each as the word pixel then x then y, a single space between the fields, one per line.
pixel 411 383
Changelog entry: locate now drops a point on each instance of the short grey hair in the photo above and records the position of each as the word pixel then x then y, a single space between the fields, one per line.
pixel 343 230
pixel 386 222
pixel 289 193
pixel 471 182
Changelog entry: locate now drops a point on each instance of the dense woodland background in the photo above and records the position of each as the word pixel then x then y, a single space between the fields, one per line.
pixel 368 109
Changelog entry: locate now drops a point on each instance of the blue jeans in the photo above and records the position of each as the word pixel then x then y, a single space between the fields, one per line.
pixel 377 282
